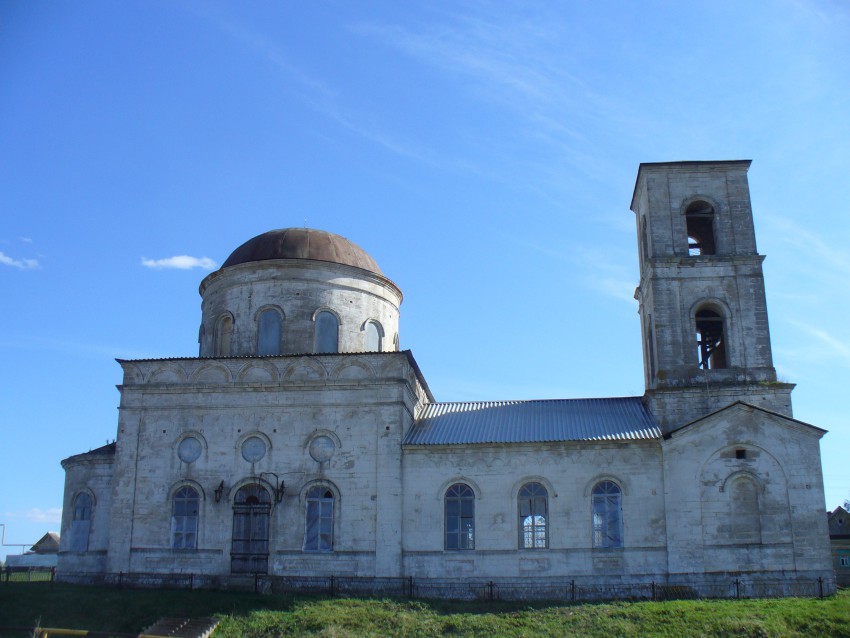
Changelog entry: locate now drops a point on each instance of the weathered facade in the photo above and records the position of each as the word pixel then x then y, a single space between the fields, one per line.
pixel 302 442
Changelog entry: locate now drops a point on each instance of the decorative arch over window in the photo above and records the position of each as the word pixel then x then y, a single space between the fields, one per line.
pixel 185 505
pixel 699 218
pixel 223 336
pixel 327 332
pixel 319 523
pixel 607 509
pixel 460 517
pixel 711 339
pixel 533 509
pixel 81 522
pixel 374 336
pixel 268 332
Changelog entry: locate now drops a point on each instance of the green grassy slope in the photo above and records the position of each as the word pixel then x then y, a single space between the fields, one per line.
pixel 250 615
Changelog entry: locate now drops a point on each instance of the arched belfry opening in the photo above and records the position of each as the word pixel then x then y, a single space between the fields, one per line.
pixel 711 339
pixel 699 217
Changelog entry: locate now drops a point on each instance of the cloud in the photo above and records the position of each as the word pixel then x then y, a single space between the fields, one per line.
pixel 37 515
pixel 23 264
pixel 179 262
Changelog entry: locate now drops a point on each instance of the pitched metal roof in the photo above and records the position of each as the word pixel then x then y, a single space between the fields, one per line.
pixel 615 419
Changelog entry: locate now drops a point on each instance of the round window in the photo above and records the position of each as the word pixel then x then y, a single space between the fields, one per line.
pixel 322 449
pixel 253 449
pixel 189 449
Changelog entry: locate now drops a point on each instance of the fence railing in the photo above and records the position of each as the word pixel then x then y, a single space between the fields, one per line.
pixel 504 589
pixel 27 574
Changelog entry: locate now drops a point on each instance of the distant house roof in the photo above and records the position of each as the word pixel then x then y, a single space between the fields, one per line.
pixel 47 544
pixel 614 419
pixel 839 523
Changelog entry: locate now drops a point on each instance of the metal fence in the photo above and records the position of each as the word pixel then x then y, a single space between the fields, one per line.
pixel 505 589
pixel 27 574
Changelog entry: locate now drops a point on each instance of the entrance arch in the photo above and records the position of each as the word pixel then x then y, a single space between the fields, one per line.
pixel 249 553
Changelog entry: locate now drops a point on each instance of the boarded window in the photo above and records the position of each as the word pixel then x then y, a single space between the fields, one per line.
pixel 373 337
pixel 533 508
pixel 81 523
pixel 249 552
pixel 327 332
pixel 319 527
pixel 224 336
pixel 711 340
pixel 607 515
pixel 746 518
pixel 460 517
pixel 268 333
pixel 184 519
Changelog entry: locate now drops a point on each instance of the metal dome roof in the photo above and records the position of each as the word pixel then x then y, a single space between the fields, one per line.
pixel 302 243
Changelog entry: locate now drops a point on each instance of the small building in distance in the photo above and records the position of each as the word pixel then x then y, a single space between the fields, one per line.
pixel 839 539
pixel 44 554
pixel 302 442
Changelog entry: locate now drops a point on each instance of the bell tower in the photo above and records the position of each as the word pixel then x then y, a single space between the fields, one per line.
pixel 706 340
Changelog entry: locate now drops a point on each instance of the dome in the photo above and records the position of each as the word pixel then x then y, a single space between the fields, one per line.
pixel 302 243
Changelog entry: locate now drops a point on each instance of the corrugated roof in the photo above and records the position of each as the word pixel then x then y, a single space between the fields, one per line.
pixel 614 419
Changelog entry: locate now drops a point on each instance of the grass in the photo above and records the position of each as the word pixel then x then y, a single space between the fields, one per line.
pixel 260 616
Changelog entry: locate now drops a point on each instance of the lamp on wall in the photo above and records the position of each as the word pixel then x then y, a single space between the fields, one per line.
pixel 278 485
pixel 219 491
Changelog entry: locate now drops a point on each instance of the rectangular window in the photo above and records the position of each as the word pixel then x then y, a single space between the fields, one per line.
pixel 844 561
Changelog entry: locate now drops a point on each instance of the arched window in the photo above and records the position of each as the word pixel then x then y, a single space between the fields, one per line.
pixel 327 332
pixel 711 342
pixel 533 508
pixel 319 528
pixel 81 523
pixel 374 336
pixel 744 510
pixel 607 515
pixel 460 517
pixel 268 333
pixel 184 519
pixel 699 218
pixel 224 336
pixel 395 342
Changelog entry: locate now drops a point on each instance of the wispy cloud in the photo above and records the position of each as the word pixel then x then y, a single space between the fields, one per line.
pixel 811 244
pixel 22 264
pixel 833 347
pixel 180 262
pixel 36 515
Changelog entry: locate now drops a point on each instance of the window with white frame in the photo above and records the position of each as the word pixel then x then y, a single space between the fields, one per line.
pixel 319 528
pixel 533 508
pixel 184 518
pixel 460 517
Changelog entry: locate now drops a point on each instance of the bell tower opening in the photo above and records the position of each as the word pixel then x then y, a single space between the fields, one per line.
pixel 699 218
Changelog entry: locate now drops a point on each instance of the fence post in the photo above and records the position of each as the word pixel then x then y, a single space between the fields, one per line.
pixel 820 586
pixel 331 583
pixel 653 591
pixel 490 591
pixel 573 590
pixel 410 587
pixel 737 588
pixel 120 580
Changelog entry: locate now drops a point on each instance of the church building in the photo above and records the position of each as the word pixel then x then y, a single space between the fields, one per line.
pixel 303 442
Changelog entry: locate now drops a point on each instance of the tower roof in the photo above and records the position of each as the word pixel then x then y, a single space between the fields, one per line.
pixel 302 243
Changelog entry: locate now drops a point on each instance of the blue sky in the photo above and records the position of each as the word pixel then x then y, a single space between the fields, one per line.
pixel 484 153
